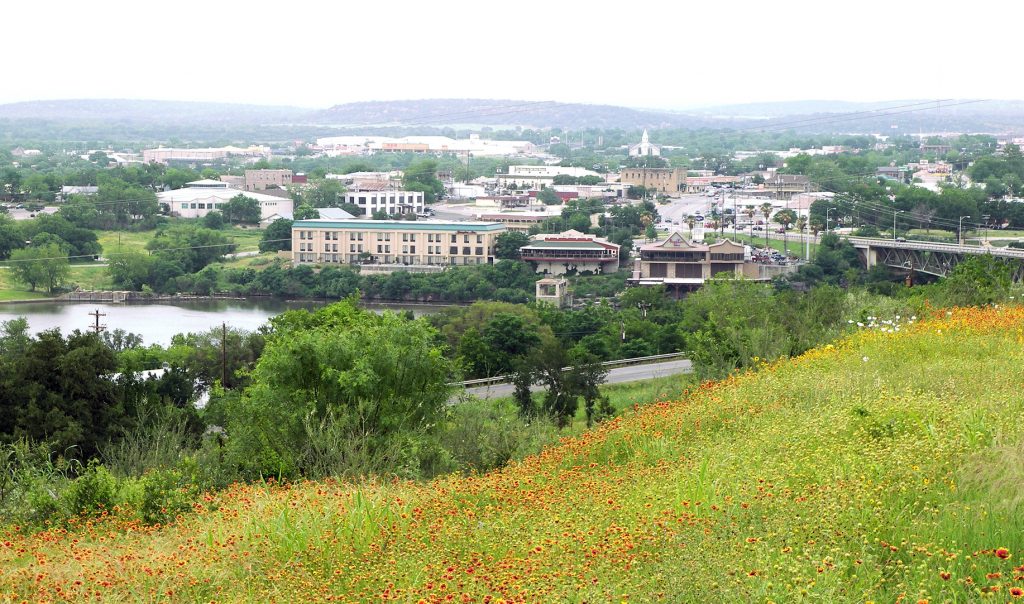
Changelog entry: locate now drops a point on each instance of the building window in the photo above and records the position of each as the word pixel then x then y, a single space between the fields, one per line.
pixel 465 251
pixel 465 239
pixel 455 238
pixel 412 249
pixel 479 251
pixel 453 250
pixel 479 238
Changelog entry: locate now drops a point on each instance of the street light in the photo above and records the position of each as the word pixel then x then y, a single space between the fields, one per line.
pixel 960 230
pixel 826 217
pixel 894 213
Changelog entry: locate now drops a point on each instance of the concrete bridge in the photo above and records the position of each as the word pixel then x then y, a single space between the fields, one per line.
pixel 937 259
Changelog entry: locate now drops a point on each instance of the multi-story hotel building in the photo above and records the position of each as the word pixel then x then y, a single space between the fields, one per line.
pixel 390 202
pixel 394 243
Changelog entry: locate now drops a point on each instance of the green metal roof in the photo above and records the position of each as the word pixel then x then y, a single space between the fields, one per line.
pixel 561 245
pixel 399 225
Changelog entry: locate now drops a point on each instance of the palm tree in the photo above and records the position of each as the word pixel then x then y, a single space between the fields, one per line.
pixel 690 221
pixel 766 209
pixel 785 218
pixel 749 211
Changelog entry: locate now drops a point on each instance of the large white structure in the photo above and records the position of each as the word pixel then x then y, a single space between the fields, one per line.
pixel 645 147
pixel 536 177
pixel 391 202
pixel 370 144
pixel 163 155
pixel 198 198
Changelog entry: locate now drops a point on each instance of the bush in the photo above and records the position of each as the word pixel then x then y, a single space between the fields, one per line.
pixel 95 491
pixel 481 435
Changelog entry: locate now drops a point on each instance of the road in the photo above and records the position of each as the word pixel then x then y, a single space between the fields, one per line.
pixel 618 375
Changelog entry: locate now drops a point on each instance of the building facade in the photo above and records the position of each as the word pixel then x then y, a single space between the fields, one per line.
pixel 261 180
pixel 199 198
pixel 394 244
pixel 538 177
pixel 644 148
pixel 390 202
pixel 571 252
pixel 164 155
pixel 683 266
pixel 663 180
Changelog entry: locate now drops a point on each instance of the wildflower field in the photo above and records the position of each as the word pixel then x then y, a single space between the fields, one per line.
pixel 886 467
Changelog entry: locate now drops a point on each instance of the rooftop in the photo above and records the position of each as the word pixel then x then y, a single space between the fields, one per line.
pixel 400 225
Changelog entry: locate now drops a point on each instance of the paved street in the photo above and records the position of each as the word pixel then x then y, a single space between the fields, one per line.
pixel 618 375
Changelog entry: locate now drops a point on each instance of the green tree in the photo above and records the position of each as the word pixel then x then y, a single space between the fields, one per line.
pixel 190 246
pixel 507 244
pixel 324 193
pixel 129 270
pixel 766 211
pixel 422 176
pixel 11 236
pixel 584 379
pixel 305 212
pixel 548 197
pixel 45 265
pixel 213 220
pixel 340 390
pixel 242 209
pixel 277 236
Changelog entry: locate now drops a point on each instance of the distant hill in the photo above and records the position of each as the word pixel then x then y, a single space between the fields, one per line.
pixel 123 110
pixel 120 119
pixel 542 114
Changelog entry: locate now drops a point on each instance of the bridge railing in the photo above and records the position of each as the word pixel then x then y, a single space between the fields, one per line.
pixel 928 246
pixel 501 379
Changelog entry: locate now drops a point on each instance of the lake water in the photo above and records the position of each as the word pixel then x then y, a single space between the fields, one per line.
pixel 157 322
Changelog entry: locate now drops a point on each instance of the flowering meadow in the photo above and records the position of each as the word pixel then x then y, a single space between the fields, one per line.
pixel 885 467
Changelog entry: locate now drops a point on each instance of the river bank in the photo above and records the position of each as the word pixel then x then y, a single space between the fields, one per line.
pixel 159 320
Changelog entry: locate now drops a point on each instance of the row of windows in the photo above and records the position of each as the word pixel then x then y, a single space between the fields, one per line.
pixel 385 236
pixel 388 259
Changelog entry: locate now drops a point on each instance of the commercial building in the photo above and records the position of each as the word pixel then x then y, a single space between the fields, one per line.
pixel 571 252
pixel 516 221
pixel 261 180
pixel 371 144
pixel 684 266
pixel 389 202
pixel 200 197
pixel 662 180
pixel 165 155
pixel 539 177
pixel 390 245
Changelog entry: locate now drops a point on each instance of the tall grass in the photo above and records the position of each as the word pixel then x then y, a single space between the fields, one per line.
pixel 880 468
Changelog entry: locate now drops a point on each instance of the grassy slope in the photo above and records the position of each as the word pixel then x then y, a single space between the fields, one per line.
pixel 861 471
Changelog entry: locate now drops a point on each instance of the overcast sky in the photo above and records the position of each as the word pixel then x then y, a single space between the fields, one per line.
pixel 657 54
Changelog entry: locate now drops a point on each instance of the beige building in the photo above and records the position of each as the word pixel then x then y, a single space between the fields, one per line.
pixel 391 245
pixel 261 180
pixel 684 266
pixel 663 180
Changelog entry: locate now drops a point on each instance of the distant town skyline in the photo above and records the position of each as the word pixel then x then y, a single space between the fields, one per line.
pixel 679 56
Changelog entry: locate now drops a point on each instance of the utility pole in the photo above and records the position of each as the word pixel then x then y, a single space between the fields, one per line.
pixel 223 355
pixel 96 326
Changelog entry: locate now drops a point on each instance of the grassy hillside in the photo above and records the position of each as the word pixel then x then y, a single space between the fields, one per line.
pixel 884 468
